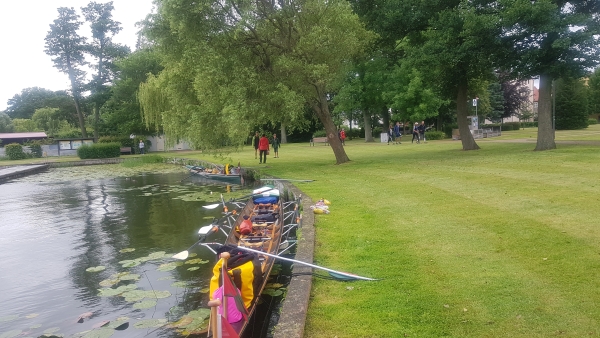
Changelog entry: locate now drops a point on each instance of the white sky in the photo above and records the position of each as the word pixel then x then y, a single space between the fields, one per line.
pixel 23 27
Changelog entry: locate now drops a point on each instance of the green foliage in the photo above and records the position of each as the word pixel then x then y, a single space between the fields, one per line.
pixel 529 124
pixel 24 125
pixel 6 125
pixel 68 133
pixel 592 121
pixel 571 104
pixel 124 141
pixel 448 129
pixel 435 135
pixel 14 151
pixel 49 120
pixel 99 150
pixel 593 92
pixel 320 133
pixel 36 149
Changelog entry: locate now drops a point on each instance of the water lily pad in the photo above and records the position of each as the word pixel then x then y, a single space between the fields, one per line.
pixel 166 278
pixel 103 332
pixel 128 287
pixel 8 318
pixel 193 254
pixel 194 268
pixel 10 334
pixel 145 304
pixel 130 263
pixel 127 250
pixel 32 315
pixel 167 266
pixel 204 290
pixel 131 276
pixel 108 292
pixel 179 284
pixel 157 294
pixel 196 261
pixel 35 326
pixel 96 268
pixel 157 255
pixel 148 323
pixel 273 292
pixel 202 313
pixel 109 282
pixel 273 286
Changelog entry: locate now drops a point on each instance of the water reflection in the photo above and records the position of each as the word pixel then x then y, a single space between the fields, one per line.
pixel 54 229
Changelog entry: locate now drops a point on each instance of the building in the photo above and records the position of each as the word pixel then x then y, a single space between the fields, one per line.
pixel 21 138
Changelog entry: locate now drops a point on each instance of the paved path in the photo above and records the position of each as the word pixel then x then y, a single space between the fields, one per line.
pixel 20 170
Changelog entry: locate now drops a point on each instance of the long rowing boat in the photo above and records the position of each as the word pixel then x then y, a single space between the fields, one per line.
pixel 259 227
pixel 216 174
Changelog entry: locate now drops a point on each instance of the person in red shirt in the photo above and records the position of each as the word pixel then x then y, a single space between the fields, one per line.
pixel 263 147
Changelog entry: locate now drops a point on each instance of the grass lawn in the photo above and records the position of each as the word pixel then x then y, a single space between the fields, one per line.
pixel 499 242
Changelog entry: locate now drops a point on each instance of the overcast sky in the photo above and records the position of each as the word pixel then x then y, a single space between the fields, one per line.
pixel 23 27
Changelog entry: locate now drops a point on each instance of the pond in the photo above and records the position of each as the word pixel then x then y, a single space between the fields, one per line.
pixel 72 236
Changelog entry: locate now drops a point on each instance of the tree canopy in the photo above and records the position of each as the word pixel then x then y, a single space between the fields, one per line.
pixel 233 64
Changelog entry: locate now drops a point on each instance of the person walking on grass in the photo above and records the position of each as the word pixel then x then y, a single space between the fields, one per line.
pixel 415 133
pixel 422 129
pixel 397 133
pixel 263 147
pixel 255 140
pixel 275 142
pixel 141 145
pixel 390 135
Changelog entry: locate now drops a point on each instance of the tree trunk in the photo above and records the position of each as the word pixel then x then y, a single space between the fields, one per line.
pixel 96 120
pixel 368 130
pixel 468 142
pixel 545 136
pixel 283 137
pixel 321 107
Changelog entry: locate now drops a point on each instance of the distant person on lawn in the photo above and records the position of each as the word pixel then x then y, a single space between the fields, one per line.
pixel 263 147
pixel 275 142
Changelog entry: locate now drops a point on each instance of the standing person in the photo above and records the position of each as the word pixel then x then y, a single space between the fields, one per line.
pixel 255 140
pixel 263 147
pixel 275 142
pixel 422 129
pixel 390 135
pixel 343 136
pixel 141 147
pixel 415 132
pixel 398 133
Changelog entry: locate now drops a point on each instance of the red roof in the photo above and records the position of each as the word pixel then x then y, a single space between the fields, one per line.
pixel 536 94
pixel 36 134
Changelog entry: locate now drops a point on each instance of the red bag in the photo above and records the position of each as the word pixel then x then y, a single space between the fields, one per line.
pixel 246 227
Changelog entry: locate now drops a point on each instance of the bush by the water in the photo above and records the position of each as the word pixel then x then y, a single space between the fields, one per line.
pixel 435 135
pixel 14 151
pixel 99 150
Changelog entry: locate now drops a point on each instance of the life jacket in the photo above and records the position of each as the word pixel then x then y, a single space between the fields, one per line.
pixel 249 278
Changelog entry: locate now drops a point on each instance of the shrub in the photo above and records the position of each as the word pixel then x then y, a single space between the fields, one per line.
pixel 592 121
pixel 515 125
pixel 124 141
pixel 435 135
pixel 507 127
pixel 320 133
pixel 529 124
pixel 72 133
pixel 99 150
pixel 36 149
pixel 14 151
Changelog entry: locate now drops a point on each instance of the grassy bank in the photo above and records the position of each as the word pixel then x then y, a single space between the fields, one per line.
pixel 500 242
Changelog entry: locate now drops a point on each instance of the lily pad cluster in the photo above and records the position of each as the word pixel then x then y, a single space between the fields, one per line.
pixel 118 277
pixel 274 290
pixel 195 322
pixel 129 263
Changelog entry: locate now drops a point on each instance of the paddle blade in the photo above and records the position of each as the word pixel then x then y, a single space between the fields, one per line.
pixel 211 206
pixel 182 255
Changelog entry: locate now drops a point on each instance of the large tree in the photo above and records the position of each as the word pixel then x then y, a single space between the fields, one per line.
pixel 233 64
pixel 571 110
pixel 104 51
pixel 594 93
pixel 66 46
pixel 6 125
pixel 552 39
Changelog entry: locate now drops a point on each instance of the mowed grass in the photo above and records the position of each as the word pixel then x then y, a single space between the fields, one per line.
pixel 499 242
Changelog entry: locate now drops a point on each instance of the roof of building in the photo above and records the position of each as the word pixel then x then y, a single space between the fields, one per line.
pixel 36 134
pixel 536 94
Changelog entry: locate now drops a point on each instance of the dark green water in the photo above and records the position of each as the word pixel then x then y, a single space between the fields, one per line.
pixel 55 225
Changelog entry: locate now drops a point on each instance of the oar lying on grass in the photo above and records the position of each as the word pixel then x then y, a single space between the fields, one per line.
pixel 212 206
pixel 338 274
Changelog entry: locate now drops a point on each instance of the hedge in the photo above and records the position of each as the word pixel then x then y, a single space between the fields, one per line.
pixel 435 135
pixel 99 150
pixel 14 151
